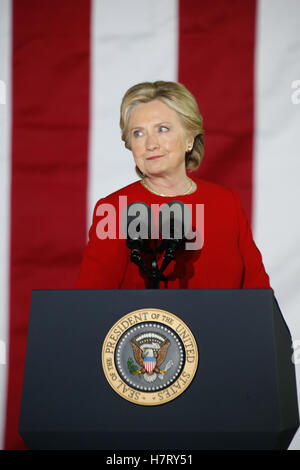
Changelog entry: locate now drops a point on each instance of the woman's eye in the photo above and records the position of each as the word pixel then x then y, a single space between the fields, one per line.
pixel 136 133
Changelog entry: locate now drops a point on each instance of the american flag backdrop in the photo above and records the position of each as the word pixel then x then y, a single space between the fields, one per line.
pixel 64 67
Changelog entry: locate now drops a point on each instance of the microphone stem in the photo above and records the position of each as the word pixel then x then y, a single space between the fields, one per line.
pixel 137 259
pixel 168 257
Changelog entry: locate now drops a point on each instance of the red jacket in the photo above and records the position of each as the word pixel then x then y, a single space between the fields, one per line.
pixel 228 258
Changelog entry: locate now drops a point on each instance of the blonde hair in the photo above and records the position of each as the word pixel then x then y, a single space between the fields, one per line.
pixel 178 98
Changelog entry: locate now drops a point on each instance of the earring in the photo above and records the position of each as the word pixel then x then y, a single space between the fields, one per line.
pixel 189 148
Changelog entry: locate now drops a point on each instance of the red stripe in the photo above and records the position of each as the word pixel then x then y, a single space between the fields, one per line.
pixel 51 55
pixel 216 63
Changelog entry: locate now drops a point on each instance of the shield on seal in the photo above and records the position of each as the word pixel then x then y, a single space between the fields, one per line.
pixel 149 361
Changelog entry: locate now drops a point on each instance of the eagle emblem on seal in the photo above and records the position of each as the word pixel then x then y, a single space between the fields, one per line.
pixel 150 351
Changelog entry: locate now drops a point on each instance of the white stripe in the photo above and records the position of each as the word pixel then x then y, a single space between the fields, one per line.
pixel 131 42
pixel 5 133
pixel 277 156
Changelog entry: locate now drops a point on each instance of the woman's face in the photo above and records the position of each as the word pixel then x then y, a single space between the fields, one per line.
pixel 158 139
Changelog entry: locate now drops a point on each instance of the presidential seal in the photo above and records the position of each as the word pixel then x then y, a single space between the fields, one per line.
pixel 149 356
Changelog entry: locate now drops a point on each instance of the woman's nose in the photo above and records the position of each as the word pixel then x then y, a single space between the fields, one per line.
pixel 151 142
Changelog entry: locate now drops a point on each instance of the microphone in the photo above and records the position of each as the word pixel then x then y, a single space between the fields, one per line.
pixel 136 222
pixel 174 224
pixel 136 226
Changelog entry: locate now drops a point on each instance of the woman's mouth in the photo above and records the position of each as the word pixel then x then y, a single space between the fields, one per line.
pixel 154 157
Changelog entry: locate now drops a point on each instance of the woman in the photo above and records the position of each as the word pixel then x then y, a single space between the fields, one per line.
pixel 162 126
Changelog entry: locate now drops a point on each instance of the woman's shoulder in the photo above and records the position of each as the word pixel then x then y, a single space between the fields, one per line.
pixel 214 191
pixel 207 191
